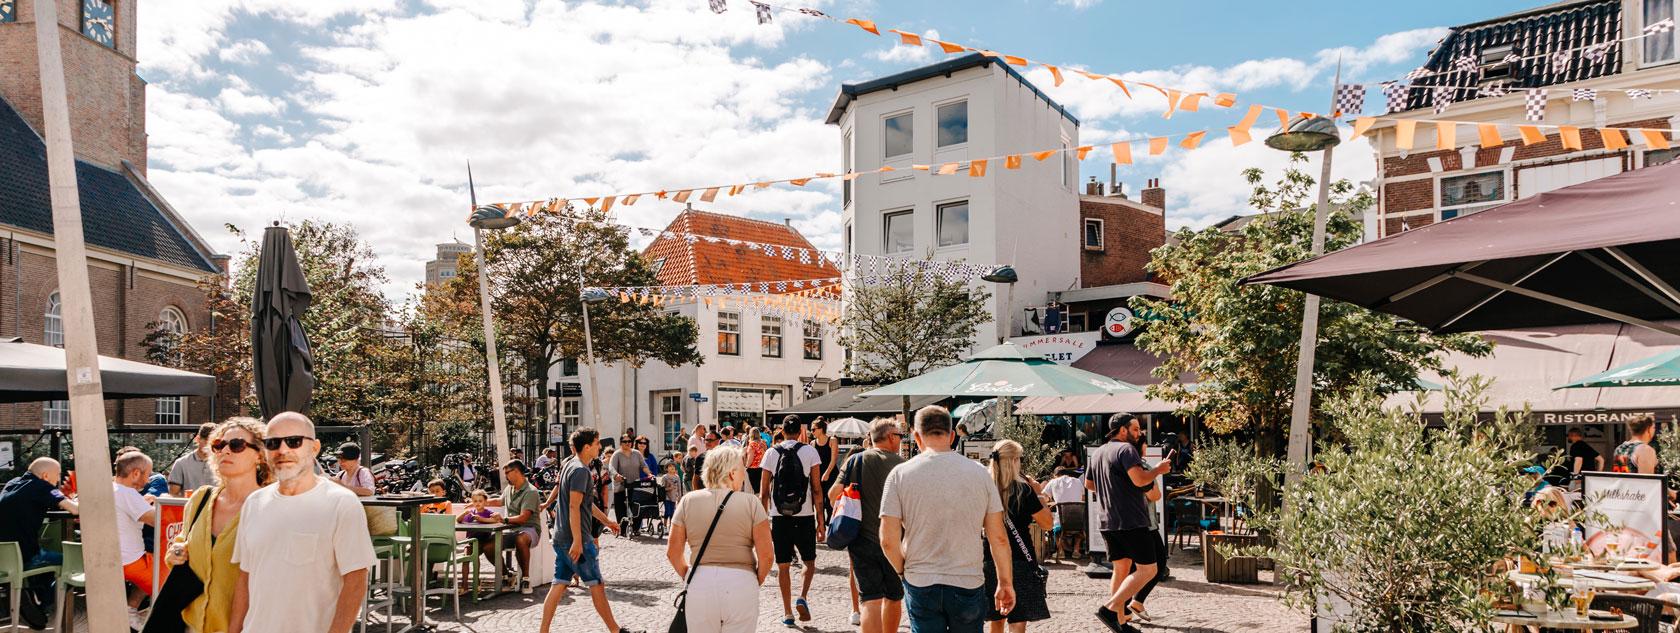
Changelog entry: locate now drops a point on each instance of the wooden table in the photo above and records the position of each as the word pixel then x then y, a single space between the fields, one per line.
pixel 1598 584
pixel 410 507
pixel 1564 619
pixel 495 530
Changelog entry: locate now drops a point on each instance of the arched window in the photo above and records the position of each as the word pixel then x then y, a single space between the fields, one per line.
pixel 54 414
pixel 171 410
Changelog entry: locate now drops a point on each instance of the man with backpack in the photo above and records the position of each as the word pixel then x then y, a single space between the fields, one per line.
pixel 792 493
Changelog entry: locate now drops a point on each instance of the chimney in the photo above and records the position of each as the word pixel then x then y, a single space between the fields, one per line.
pixel 788 222
pixel 1153 195
pixel 1093 188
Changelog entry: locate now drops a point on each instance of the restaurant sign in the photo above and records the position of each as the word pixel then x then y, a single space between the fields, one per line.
pixel 1600 417
pixel 1064 349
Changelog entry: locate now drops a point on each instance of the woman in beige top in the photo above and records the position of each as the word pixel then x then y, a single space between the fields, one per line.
pixel 723 595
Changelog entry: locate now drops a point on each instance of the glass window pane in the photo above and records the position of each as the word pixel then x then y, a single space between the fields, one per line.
pixel 1093 234
pixel 953 224
pixel 1473 189
pixel 1659 47
pixel 953 123
pixel 900 233
pixel 898 135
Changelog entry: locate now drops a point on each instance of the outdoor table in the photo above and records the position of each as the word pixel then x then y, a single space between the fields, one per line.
pixel 495 530
pixel 1565 619
pixel 1598 584
pixel 409 507
pixel 1626 565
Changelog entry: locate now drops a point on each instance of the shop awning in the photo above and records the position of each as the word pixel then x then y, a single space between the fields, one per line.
pixel 848 402
pixel 34 373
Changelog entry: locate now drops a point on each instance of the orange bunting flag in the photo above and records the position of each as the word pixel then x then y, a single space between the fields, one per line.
pixel 1122 85
pixel 1571 136
pixel 991 53
pixel 1489 134
pixel 1082 151
pixel 761 185
pixel 659 194
pixel 1239 135
pixel 591 201
pixel 1012 161
pixel 1225 100
pixel 1192 102
pixel 709 194
pixel 1122 153
pixel 1014 61
pixel 1403 130
pixel 799 182
pixel 735 190
pixel 682 196
pixel 1055 73
pixel 1283 118
pixel 606 204
pixel 947 169
pixel 907 39
pixel 1090 75
pixel 882 170
pixel 1531 134
pixel 630 199
pixel 977 167
pixel 1172 103
pixel 1613 138
pixel 1043 155
pixel 623 297
pixel 1157 145
pixel 1446 135
pixel 865 25
pixel 1654 139
pixel 1192 140
pixel 949 47
pixel 1361 124
pixel 560 204
pixel 1249 119
pixel 919 167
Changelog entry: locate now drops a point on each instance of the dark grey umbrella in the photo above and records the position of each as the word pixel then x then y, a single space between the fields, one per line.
pixel 35 373
pixel 284 368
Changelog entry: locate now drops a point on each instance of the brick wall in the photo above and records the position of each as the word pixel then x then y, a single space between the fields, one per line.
pixel 1128 235
pixel 125 302
pixel 107 98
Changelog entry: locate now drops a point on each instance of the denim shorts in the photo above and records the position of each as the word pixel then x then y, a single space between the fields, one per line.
pixel 587 569
pixel 946 608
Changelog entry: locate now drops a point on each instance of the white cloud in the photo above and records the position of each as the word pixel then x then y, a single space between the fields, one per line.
pixel 1079 4
pixel 244 52
pixel 239 102
pixel 900 53
pixel 1207 185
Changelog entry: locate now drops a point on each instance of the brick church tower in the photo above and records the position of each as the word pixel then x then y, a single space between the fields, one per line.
pixel 107 97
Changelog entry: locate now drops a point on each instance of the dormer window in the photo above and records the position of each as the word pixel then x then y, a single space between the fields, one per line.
pixel 1493 62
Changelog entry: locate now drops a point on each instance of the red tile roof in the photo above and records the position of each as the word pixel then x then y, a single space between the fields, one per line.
pixel 703 262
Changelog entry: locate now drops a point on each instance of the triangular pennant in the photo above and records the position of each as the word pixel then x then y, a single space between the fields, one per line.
pixel 1192 140
pixel 865 25
pixel 1039 156
pixel 1082 152
pixel 907 39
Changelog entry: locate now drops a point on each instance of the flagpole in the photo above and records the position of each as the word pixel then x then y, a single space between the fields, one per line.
pixel 97 501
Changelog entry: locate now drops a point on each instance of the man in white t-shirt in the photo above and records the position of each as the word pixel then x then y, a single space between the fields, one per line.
pixel 792 529
pixel 303 550
pixel 134 512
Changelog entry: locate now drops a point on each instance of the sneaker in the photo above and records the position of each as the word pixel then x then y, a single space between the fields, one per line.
pixel 1110 619
pixel 787 621
pixel 1128 628
pixel 136 621
pixel 857 618
pixel 525 587
pixel 803 609
pixel 1136 610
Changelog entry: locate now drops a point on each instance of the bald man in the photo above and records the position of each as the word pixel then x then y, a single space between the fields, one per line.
pixel 24 504
pixel 303 550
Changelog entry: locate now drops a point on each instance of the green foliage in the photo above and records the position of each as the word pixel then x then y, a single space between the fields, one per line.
pixel 1233 469
pixel 453 436
pixel 1243 341
pixel 1407 524
pixel 909 323
pixel 1028 431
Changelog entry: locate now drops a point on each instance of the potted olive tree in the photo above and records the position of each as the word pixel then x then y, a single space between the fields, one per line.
pixel 1239 476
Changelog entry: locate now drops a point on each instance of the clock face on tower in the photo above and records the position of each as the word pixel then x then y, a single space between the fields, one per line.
pixel 98 22
pixel 8 10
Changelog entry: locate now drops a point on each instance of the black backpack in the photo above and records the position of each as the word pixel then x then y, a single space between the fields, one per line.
pixel 791 484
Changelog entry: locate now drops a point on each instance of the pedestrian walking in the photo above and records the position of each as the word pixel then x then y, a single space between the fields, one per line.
pixel 627 466
pixel 791 491
pixel 303 547
pixel 211 526
pixel 932 508
pixel 828 448
pixel 874 582
pixel 1022 508
pixel 577 515
pixel 1120 477
pixel 727 536
pixel 697 441
pixel 756 447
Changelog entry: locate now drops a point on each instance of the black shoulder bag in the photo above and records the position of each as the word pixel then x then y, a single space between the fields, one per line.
pixel 679 624
pixel 181 587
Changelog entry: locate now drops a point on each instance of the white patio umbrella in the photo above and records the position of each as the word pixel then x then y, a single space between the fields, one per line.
pixel 848 427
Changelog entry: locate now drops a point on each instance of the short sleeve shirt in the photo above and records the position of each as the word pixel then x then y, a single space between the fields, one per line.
pixel 190 473
pixel 808 459
pixel 517 501
pixel 361 478
pixel 1121 502
pixel 943 499
pixel 1584 451
pixel 732 543
pixel 130 507
pixel 24 504
pixel 574 477
pixel 869 471
pixel 297 549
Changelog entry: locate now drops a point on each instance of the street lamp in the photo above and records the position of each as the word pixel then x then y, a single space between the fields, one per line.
pixel 490 218
pixel 591 295
pixel 1007 276
pixel 1311 134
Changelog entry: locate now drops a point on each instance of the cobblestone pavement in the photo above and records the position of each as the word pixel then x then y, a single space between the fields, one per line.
pixel 641 585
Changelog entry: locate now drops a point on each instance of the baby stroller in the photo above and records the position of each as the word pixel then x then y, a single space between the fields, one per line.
pixel 645 506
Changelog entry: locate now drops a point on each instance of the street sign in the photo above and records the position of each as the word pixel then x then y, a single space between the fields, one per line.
pixel 695 396
pixel 702 399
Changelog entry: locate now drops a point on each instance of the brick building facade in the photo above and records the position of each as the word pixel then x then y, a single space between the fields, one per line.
pixel 144 260
pixel 1424 185
pixel 1117 234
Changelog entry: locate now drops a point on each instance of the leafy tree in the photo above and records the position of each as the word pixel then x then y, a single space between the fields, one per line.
pixel 1243 341
pixel 909 323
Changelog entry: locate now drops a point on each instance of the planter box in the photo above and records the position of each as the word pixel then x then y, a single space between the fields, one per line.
pixel 1219 568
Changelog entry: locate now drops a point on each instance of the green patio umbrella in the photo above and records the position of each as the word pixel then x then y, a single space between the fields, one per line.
pixel 1005 370
pixel 1658 371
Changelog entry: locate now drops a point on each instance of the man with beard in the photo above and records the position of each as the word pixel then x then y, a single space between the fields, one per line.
pixel 1121 480
pixel 303 550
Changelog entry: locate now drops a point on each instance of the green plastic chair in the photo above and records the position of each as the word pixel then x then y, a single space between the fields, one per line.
pixel 13 574
pixel 71 575
pixel 437 534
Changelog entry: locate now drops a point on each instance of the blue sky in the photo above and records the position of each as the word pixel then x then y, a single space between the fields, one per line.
pixel 366 111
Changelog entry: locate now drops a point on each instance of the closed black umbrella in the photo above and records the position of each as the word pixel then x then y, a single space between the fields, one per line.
pixel 284 368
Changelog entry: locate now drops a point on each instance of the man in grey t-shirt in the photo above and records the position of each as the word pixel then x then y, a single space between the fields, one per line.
pixel 932 507
pixel 574 538
pixel 192 470
pixel 1120 479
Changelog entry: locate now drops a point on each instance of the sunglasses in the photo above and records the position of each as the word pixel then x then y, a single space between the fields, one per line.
pixel 291 441
pixel 235 445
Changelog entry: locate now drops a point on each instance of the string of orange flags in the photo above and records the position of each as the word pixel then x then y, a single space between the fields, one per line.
pixel 1490 135
pixel 1178 100
pixel 802 299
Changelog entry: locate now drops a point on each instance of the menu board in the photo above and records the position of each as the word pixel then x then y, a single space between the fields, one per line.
pixel 1632 506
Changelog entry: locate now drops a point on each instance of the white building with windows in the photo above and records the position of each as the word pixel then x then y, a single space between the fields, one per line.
pixel 965 108
pixel 755 363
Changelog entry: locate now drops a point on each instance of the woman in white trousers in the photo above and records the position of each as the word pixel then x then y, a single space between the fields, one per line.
pixel 723 586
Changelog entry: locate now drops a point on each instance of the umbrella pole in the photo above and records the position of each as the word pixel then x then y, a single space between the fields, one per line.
pixel 498 417
pixel 81 354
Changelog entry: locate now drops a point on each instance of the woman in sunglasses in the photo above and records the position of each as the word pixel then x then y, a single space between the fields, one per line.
pixel 212 520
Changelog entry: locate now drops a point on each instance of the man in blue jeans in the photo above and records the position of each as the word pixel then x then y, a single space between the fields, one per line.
pixel 574 532
pixel 931 506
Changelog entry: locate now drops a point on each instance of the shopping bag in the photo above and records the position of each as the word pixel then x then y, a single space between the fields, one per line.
pixel 843 528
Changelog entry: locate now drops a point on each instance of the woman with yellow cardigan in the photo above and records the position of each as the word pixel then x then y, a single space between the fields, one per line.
pixel 213 523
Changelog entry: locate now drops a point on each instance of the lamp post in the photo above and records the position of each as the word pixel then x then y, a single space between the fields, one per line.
pixel 1007 276
pixel 1307 135
pixel 591 295
pixel 490 218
